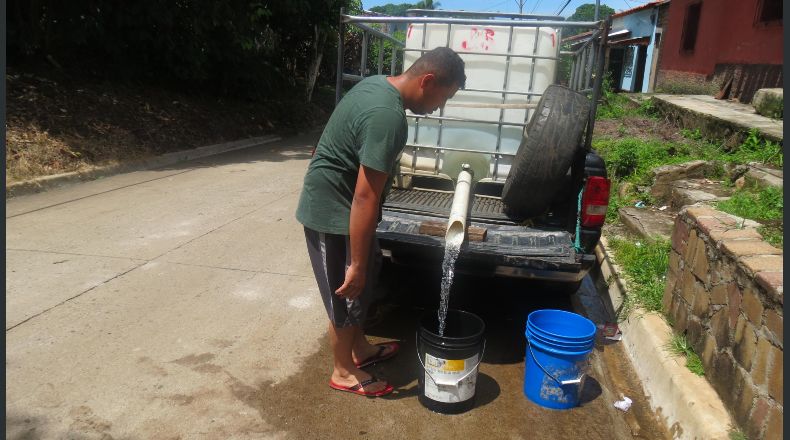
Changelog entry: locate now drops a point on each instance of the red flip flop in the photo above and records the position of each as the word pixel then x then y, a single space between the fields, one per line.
pixel 357 389
pixel 378 357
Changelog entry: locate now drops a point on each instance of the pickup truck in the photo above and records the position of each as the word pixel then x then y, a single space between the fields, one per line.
pixel 540 192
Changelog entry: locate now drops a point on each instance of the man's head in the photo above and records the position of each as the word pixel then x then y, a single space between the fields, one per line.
pixel 434 78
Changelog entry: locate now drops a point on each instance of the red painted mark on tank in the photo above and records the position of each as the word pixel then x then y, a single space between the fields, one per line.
pixel 553 35
pixel 408 33
pixel 463 44
pixel 489 34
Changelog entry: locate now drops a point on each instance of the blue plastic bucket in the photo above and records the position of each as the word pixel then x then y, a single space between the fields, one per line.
pixel 558 344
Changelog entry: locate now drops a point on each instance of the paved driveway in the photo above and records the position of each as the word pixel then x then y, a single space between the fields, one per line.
pixel 179 303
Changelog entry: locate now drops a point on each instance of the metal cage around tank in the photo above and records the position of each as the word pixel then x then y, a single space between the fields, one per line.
pixel 586 70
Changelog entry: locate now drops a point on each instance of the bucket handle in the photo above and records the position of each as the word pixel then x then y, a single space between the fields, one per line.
pixel 417 344
pixel 576 381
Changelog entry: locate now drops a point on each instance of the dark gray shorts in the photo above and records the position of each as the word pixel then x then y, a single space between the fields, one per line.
pixel 330 255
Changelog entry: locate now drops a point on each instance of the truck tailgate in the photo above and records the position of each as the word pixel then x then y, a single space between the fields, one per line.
pixel 504 245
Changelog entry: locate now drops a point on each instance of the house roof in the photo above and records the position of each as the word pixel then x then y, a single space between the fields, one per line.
pixel 639 41
pixel 640 8
pixel 612 35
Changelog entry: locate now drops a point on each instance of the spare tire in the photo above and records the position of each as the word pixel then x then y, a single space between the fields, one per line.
pixel 546 152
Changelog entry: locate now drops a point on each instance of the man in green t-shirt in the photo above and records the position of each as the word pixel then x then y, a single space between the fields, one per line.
pixel 340 203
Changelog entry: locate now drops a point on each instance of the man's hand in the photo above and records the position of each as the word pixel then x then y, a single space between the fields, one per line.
pixel 354 283
pixel 362 227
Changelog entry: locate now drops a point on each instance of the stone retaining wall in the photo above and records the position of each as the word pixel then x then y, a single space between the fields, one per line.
pixel 725 292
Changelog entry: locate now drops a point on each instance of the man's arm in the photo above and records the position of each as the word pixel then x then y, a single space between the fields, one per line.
pixel 362 226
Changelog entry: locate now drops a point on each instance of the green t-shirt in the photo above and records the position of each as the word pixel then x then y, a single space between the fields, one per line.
pixel 368 127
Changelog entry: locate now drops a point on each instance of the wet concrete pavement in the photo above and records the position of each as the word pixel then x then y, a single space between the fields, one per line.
pixel 179 303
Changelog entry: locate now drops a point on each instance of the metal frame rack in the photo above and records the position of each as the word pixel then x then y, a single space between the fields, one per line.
pixel 586 71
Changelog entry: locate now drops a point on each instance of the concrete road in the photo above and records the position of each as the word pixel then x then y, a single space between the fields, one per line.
pixel 179 303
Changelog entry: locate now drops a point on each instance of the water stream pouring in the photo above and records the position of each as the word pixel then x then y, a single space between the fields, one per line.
pixel 450 346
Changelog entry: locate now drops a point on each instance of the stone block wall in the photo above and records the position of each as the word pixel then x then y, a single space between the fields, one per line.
pixel 725 293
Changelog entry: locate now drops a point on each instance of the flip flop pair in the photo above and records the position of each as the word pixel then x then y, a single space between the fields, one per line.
pixel 358 388
pixel 380 356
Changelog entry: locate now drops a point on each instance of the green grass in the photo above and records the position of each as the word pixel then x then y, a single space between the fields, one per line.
pixel 632 159
pixel 645 265
pixel 694 135
pixel 761 204
pixel 773 235
pixel 680 346
pixel 756 149
pixel 736 434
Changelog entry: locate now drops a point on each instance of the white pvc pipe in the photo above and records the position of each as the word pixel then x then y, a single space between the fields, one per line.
pixel 456 224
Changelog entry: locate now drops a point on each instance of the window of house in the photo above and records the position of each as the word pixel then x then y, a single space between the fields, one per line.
pixel 690 27
pixel 769 11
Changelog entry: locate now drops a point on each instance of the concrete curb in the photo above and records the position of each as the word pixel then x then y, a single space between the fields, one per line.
pixel 48 182
pixel 687 403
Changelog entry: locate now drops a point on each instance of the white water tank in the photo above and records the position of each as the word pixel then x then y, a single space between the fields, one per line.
pixel 488 72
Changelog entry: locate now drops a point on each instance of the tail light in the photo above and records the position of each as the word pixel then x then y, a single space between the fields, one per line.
pixel 595 201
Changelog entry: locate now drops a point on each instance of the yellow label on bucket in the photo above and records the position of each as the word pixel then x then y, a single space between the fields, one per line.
pixel 454 365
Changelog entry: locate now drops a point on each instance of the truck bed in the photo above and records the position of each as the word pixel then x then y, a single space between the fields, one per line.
pixel 437 203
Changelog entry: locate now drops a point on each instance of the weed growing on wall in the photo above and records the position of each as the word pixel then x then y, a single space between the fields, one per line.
pixel 680 346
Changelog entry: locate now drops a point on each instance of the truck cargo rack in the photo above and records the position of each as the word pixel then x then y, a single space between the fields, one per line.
pixel 586 71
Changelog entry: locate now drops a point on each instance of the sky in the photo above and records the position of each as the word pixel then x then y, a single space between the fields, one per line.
pixel 549 7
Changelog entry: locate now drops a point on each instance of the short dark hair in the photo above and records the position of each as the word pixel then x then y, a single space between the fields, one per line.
pixel 444 63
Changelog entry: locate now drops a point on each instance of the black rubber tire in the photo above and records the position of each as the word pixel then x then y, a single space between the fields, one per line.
pixel 546 152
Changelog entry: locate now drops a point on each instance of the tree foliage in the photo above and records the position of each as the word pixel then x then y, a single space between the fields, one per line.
pixel 399 10
pixel 240 47
pixel 586 12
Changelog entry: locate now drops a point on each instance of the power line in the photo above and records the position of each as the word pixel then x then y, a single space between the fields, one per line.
pixel 563 7
pixel 536 6
pixel 490 8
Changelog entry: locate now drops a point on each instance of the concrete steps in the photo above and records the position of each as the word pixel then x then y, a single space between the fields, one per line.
pixel 691 191
pixel 649 222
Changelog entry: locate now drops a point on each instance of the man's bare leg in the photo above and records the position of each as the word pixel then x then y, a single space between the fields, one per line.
pixel 345 372
pixel 362 349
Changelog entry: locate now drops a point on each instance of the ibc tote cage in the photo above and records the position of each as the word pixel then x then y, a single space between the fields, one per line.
pixel 586 73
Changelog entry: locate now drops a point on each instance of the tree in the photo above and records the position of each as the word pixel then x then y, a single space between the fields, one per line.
pixel 586 12
pixel 394 10
pixel 251 48
pixel 427 4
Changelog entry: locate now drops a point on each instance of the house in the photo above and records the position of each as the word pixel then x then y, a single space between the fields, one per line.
pixel 633 46
pixel 727 48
